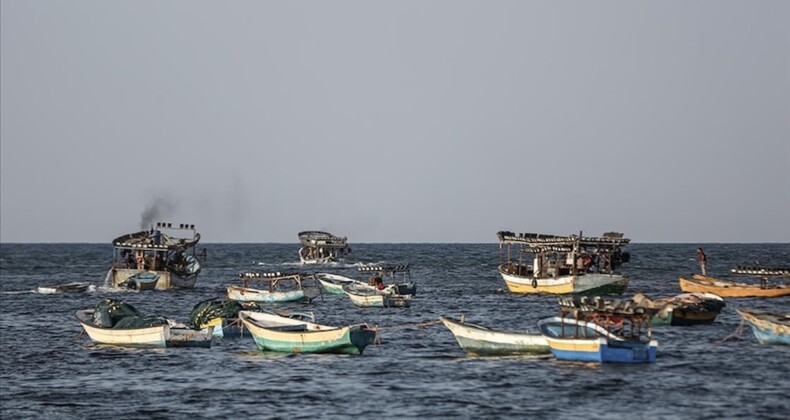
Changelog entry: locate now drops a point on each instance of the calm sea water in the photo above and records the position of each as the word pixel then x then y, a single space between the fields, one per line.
pixel 50 371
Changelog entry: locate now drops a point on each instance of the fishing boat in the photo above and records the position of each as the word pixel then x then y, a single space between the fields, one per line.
pixel 141 281
pixel 366 296
pixel 276 287
pixel 477 340
pixel 704 284
pixel 333 283
pixel 574 264
pixel 321 247
pixel 281 334
pixel 683 309
pixel 617 332
pixel 768 327
pixel 390 276
pixel 165 250
pixel 117 323
pixel 73 287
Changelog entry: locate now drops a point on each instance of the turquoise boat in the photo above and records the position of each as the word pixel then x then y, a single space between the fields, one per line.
pixel 768 327
pixel 280 334
pixel 142 281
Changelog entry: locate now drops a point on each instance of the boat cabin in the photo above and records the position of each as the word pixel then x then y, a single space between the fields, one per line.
pixel 553 256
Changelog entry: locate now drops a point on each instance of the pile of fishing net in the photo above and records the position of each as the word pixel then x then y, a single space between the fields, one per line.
pixel 116 314
pixel 211 309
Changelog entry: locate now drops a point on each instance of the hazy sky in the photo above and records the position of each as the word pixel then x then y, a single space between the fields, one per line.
pixel 398 121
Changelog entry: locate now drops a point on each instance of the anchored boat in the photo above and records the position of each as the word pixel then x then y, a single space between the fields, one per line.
pixel 477 340
pixel 600 331
pixel 768 327
pixel 156 252
pixel 275 287
pixel 73 287
pixel 699 283
pixel 366 296
pixel 684 309
pixel 114 322
pixel 562 264
pixel 273 333
pixel 333 283
pixel 321 247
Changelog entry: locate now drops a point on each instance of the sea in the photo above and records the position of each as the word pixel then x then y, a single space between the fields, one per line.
pixel 51 370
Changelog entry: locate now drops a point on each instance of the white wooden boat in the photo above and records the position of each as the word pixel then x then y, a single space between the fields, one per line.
pixel 73 287
pixel 293 336
pixel 321 247
pixel 275 287
pixel 481 341
pixel 573 264
pixel 365 296
pixel 160 336
pixel 333 283
pixel 163 250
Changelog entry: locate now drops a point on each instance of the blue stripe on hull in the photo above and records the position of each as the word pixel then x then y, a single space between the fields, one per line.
pixel 630 354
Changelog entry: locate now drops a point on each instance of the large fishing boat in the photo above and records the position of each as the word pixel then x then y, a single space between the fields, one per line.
pixel 158 258
pixel 321 247
pixel 563 264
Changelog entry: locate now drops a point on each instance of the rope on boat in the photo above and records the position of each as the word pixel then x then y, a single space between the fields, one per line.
pixel 738 331
pixel 77 338
pixel 420 325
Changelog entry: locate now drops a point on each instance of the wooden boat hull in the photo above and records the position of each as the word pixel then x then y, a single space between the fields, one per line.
pixel 343 340
pixel 365 298
pixel 480 341
pixel 166 280
pixel 765 330
pixel 75 287
pixel 151 337
pixel 600 347
pixel 334 283
pixel 242 294
pixel 721 288
pixel 589 284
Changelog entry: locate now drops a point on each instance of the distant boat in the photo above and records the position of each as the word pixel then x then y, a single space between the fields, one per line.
pixel 292 336
pixel 160 336
pixel 699 283
pixel 159 251
pixel 275 287
pixel 390 275
pixel 366 296
pixel 684 309
pixel 572 264
pixel 321 247
pixel 768 327
pixel 477 340
pixel 74 287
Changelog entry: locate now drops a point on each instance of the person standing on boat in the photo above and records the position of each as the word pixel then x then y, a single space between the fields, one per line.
pixel 703 260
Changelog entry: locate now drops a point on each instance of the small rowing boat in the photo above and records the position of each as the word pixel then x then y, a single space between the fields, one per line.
pixel 477 340
pixel 768 327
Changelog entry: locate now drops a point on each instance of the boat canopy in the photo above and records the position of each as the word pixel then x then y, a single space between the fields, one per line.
pixel 314 238
pixel 609 239
pixel 273 275
pixel 157 240
pixel 401 268
pixel 762 271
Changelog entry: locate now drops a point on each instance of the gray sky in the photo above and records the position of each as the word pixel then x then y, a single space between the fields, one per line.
pixel 401 121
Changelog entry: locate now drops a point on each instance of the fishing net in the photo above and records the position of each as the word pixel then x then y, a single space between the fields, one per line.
pixel 207 310
pixel 115 313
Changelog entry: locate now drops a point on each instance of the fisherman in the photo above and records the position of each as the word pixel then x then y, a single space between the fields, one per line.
pixel 139 258
pixel 703 260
